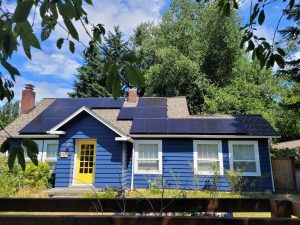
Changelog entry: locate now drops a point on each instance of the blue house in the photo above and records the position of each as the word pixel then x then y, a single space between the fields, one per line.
pixel 136 142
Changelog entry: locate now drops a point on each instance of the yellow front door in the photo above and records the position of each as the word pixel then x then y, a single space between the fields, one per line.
pixel 85 162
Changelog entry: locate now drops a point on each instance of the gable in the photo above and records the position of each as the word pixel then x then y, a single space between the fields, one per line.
pixel 73 117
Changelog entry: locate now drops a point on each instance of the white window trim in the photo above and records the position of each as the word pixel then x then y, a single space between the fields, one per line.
pixel 136 154
pixel 44 155
pixel 220 156
pixel 256 151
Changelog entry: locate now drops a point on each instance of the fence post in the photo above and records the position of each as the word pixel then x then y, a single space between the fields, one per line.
pixel 280 208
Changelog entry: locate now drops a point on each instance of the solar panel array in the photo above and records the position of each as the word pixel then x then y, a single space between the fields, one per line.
pixel 61 108
pixel 152 102
pixel 130 113
pixel 188 126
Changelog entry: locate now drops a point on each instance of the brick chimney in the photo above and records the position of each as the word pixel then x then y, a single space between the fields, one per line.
pixel 132 95
pixel 28 99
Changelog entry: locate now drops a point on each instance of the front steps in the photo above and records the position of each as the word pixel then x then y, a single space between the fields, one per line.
pixel 72 191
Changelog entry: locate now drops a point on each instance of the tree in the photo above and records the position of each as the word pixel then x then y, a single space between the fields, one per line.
pixel 291 35
pixel 92 78
pixel 8 113
pixel 178 54
pixel 255 91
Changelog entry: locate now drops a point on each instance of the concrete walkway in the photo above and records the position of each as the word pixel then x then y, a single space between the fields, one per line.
pixel 72 191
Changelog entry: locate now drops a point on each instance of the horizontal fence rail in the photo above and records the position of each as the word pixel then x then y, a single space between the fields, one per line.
pixel 281 211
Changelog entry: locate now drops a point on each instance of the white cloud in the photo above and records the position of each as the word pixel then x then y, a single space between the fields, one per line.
pixel 127 14
pixel 42 89
pixel 58 65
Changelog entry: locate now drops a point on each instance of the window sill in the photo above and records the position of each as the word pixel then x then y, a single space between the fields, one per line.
pixel 148 172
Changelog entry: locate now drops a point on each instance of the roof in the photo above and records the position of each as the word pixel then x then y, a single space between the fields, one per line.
pixel 24 119
pixel 165 116
pixel 288 144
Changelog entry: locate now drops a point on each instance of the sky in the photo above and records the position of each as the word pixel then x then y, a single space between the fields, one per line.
pixel 52 70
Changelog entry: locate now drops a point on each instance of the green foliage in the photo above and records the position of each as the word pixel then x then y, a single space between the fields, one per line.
pixel 235 180
pixel 267 53
pixel 108 192
pixel 37 176
pixel 8 113
pixel 107 69
pixel 287 152
pixel 17 31
pixel 16 149
pixel 11 181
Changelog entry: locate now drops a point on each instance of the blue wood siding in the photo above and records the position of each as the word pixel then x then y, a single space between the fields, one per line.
pixel 178 169
pixel 108 168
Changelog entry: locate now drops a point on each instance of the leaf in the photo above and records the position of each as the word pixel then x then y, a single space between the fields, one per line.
pixel 12 70
pixel 66 10
pixel 34 41
pixel 72 46
pixel 32 149
pixel 112 72
pixel 292 3
pixel 261 17
pixel 21 157
pixel 250 46
pixel 12 157
pixel 26 48
pixel 30 145
pixel 5 146
pixel 116 88
pixel 279 60
pixel 130 57
pixel 89 2
pixel 281 51
pixel 134 76
pixel 59 43
pixel 6 43
pixel 22 11
pixel 71 29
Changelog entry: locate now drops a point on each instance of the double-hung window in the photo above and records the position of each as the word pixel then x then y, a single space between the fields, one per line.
pixel 148 157
pixel 207 153
pixel 244 157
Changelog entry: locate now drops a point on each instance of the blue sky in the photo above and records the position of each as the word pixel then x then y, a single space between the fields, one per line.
pixel 52 70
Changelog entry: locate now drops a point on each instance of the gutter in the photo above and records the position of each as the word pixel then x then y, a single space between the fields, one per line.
pixel 198 136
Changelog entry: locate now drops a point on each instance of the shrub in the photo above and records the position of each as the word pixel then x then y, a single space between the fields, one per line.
pixel 108 192
pixel 235 180
pixel 287 152
pixel 10 181
pixel 37 176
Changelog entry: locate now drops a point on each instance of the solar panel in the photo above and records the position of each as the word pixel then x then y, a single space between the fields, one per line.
pixel 152 102
pixel 142 112
pixel 61 108
pixel 188 126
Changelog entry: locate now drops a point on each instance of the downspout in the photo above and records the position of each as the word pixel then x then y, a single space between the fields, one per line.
pixel 132 167
pixel 273 186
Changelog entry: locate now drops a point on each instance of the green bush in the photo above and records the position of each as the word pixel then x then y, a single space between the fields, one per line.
pixel 287 152
pixel 235 180
pixel 108 192
pixel 10 181
pixel 34 177
pixel 37 176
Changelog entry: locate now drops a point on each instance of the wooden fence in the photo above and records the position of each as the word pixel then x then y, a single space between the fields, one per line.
pixel 281 211
pixel 284 174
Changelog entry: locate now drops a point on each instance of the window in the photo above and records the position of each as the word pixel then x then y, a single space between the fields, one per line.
pixel 244 156
pixel 205 154
pixel 50 150
pixel 148 157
